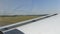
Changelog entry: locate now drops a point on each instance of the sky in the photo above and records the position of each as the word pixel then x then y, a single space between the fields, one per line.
pixel 29 7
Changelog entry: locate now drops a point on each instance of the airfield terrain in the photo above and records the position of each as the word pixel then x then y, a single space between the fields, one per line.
pixel 6 20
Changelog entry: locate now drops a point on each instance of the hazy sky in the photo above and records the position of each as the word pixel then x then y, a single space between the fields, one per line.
pixel 29 6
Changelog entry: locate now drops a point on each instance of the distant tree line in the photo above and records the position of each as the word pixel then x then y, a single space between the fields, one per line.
pixel 21 15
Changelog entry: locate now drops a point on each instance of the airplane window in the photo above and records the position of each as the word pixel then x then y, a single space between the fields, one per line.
pixel 19 11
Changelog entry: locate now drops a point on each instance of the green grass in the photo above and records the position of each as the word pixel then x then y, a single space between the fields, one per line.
pixel 10 20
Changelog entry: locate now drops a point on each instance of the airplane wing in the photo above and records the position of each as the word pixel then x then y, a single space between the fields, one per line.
pixel 36 26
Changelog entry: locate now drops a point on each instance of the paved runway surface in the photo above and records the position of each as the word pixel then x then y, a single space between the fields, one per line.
pixel 15 31
pixel 49 25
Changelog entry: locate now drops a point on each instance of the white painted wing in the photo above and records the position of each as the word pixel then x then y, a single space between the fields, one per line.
pixel 49 25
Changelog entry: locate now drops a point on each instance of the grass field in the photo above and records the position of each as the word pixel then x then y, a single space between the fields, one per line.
pixel 10 20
